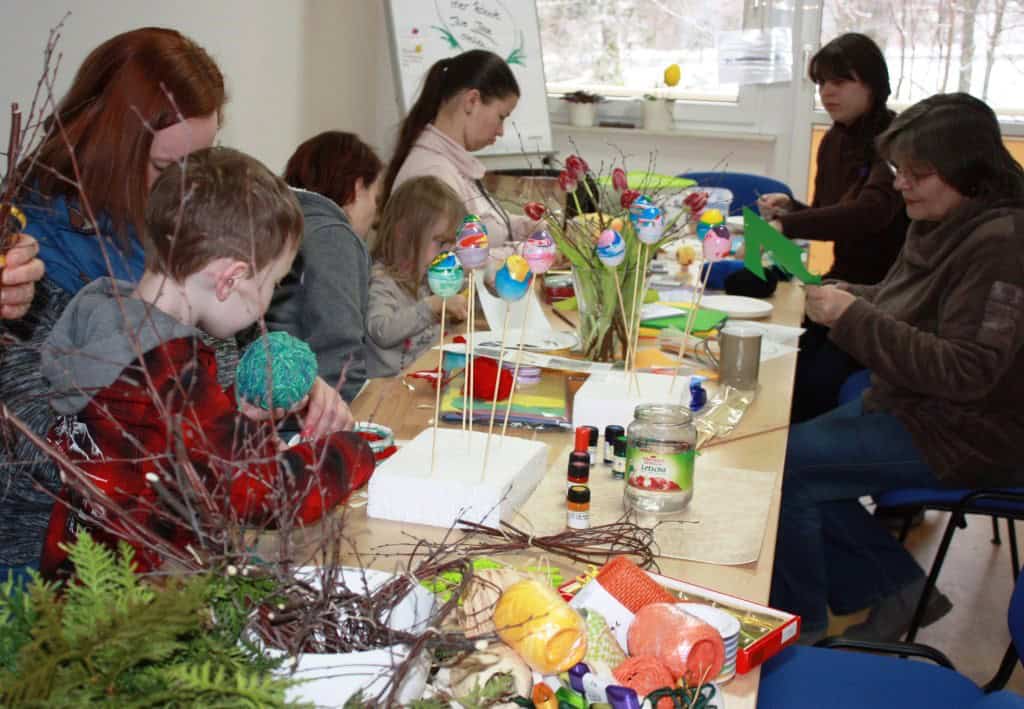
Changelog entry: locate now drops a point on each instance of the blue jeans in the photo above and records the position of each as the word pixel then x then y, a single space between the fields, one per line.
pixel 830 552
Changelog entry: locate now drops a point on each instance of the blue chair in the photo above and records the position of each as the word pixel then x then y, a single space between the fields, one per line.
pixel 822 676
pixel 1007 503
pixel 745 188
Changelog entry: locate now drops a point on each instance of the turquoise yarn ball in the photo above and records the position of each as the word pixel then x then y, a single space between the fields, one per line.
pixel 293 366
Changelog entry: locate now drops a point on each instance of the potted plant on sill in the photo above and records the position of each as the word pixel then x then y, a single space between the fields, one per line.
pixel 658 107
pixel 582 108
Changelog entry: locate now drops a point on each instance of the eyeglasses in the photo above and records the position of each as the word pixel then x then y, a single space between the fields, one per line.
pixel 911 176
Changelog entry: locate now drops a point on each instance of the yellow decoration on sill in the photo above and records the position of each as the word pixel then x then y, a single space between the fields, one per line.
pixel 672 74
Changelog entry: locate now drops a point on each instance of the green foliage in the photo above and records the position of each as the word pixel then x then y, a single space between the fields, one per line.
pixel 110 637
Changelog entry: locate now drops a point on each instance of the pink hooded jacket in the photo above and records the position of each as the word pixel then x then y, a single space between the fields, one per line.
pixel 437 155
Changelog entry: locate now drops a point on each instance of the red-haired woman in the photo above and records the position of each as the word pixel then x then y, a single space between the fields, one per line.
pixel 324 299
pixel 139 101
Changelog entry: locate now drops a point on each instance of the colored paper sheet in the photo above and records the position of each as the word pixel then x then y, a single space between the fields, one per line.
pixel 759 235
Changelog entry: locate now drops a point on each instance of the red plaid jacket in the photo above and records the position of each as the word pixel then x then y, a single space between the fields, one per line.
pixel 133 428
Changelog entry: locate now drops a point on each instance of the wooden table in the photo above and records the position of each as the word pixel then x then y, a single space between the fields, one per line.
pixel 758 443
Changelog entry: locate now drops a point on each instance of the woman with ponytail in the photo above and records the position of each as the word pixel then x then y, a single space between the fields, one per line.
pixel 461 109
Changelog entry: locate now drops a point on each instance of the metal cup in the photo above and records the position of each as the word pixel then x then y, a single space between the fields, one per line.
pixel 739 355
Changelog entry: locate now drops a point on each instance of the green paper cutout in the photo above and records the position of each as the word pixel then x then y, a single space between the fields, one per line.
pixel 706 319
pixel 759 234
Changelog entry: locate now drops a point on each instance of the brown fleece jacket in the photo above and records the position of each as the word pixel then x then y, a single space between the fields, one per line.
pixel 943 336
pixel 855 204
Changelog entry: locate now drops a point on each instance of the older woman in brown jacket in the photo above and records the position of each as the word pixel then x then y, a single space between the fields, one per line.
pixel 943 335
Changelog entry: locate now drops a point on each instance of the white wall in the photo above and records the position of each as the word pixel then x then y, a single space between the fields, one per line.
pixel 297 67
pixel 292 68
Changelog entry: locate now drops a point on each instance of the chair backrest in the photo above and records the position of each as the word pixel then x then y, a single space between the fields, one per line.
pixel 1015 616
pixel 745 188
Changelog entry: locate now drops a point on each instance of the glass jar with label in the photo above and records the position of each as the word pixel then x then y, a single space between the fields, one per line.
pixel 661 447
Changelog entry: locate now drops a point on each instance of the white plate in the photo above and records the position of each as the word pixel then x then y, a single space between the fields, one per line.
pixel 534 340
pixel 738 306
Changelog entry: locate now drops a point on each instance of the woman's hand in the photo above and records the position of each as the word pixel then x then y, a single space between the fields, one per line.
pixel 21 270
pixel 826 304
pixel 774 204
pixel 326 411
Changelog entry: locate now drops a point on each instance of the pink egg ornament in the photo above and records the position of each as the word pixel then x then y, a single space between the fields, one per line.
pixel 717 243
pixel 540 251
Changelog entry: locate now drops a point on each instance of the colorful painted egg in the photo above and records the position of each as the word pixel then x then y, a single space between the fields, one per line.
pixel 444 276
pixel 717 243
pixel 651 226
pixel 708 218
pixel 471 244
pixel 540 251
pixel 513 279
pixel 611 248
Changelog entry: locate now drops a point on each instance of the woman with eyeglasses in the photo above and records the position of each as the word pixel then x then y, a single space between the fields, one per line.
pixel 855 203
pixel 943 335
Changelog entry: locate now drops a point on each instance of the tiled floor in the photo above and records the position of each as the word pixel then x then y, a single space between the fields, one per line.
pixel 977 578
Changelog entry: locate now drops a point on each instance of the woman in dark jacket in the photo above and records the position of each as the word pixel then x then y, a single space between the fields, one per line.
pixel 943 335
pixel 855 203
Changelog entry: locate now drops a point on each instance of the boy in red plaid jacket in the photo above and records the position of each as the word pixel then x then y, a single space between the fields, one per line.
pixel 157 446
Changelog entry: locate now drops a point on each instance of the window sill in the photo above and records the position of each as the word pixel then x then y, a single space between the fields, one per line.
pixel 692 134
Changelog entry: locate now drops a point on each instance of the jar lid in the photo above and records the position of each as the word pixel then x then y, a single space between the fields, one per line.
pixel 581 457
pixel 612 432
pixel 663 413
pixel 579 493
pixel 579 470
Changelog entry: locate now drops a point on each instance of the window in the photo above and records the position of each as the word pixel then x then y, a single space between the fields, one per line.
pixel 621 47
pixel 938 46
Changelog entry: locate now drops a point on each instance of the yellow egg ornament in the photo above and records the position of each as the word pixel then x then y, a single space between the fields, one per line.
pixel 672 74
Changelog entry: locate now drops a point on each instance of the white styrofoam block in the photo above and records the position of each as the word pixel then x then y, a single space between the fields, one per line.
pixel 403 488
pixel 608 398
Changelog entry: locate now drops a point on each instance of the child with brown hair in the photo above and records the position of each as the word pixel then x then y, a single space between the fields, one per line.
pixel 419 221
pixel 137 389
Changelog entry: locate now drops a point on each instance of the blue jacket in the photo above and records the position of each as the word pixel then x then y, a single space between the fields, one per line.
pixel 72 251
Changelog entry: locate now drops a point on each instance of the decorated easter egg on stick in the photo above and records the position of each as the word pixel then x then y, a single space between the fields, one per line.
pixel 717 243
pixel 444 276
pixel 540 251
pixel 276 370
pixel 513 279
pixel 708 219
pixel 650 226
pixel 471 244
pixel 611 248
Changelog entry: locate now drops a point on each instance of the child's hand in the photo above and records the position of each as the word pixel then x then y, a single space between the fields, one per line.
pixel 325 411
pixel 458 307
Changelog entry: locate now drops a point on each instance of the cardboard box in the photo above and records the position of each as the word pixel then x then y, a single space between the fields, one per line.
pixel 751 656
pixel 747 657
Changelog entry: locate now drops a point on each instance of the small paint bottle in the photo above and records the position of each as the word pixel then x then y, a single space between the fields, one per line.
pixel 611 434
pixel 581 442
pixel 578 507
pixel 592 436
pixel 579 472
pixel 619 460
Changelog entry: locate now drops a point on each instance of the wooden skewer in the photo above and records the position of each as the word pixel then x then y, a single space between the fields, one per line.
pixel 437 396
pixel 519 360
pixel 639 306
pixel 691 318
pixel 497 386
pixel 468 403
